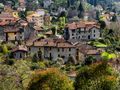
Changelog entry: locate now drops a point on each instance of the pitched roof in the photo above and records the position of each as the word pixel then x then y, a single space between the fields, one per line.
pixel 6 15
pixel 60 43
pixel 85 24
pixel 11 29
pixel 20 48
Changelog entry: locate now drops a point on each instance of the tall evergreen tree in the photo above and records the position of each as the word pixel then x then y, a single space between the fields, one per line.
pixel 81 10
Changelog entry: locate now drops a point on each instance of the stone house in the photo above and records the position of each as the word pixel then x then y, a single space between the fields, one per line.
pixel 82 31
pixel 7 18
pixel 12 33
pixel 19 52
pixel 85 51
pixel 37 17
pixel 52 49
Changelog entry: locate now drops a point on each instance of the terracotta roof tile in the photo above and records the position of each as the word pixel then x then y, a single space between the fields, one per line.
pixel 11 29
pixel 20 48
pixel 61 43
pixel 86 24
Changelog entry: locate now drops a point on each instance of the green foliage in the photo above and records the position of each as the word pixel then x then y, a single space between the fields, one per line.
pixel 107 56
pixel 62 21
pixel 50 79
pixel 5 49
pixel 34 67
pixel 97 77
pixel 9 62
pixel 89 60
pixel 54 30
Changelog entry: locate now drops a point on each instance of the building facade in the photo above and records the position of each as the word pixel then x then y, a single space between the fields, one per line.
pixel 53 49
pixel 82 31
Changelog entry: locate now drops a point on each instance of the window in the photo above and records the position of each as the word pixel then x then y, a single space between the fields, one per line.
pixel 63 49
pixel 58 55
pixel 69 49
pixel 29 49
pixel 72 34
pixel 94 31
pixel 79 31
pixel 58 49
pixel 94 35
pixel 73 37
pixel 63 57
pixel 69 55
pixel 79 37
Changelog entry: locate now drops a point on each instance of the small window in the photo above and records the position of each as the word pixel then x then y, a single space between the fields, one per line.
pixel 73 37
pixel 29 49
pixel 94 31
pixel 63 57
pixel 94 35
pixel 58 49
pixel 63 49
pixel 58 55
pixel 69 55
pixel 69 49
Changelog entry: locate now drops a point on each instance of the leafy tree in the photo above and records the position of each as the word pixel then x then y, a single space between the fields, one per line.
pixel 9 62
pixel 97 77
pixel 35 58
pixel 89 60
pixel 54 30
pixel 102 24
pixel 5 49
pixel 50 79
pixel 62 21
pixel 34 67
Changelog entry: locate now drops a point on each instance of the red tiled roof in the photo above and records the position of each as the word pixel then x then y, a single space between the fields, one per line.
pixel 11 29
pixel 76 25
pixel 61 43
pixel 20 48
pixel 6 15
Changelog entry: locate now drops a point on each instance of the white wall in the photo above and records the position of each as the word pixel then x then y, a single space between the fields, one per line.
pixel 54 52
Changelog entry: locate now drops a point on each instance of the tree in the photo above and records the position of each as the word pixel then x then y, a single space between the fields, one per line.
pixel 54 30
pixel 102 24
pixel 81 10
pixel 89 60
pixel 5 49
pixel 97 77
pixel 50 79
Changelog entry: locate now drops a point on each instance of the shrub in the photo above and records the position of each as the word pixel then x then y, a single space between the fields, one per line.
pixel 89 60
pixel 9 62
pixel 97 77
pixel 50 79
pixel 5 49
pixel 34 67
